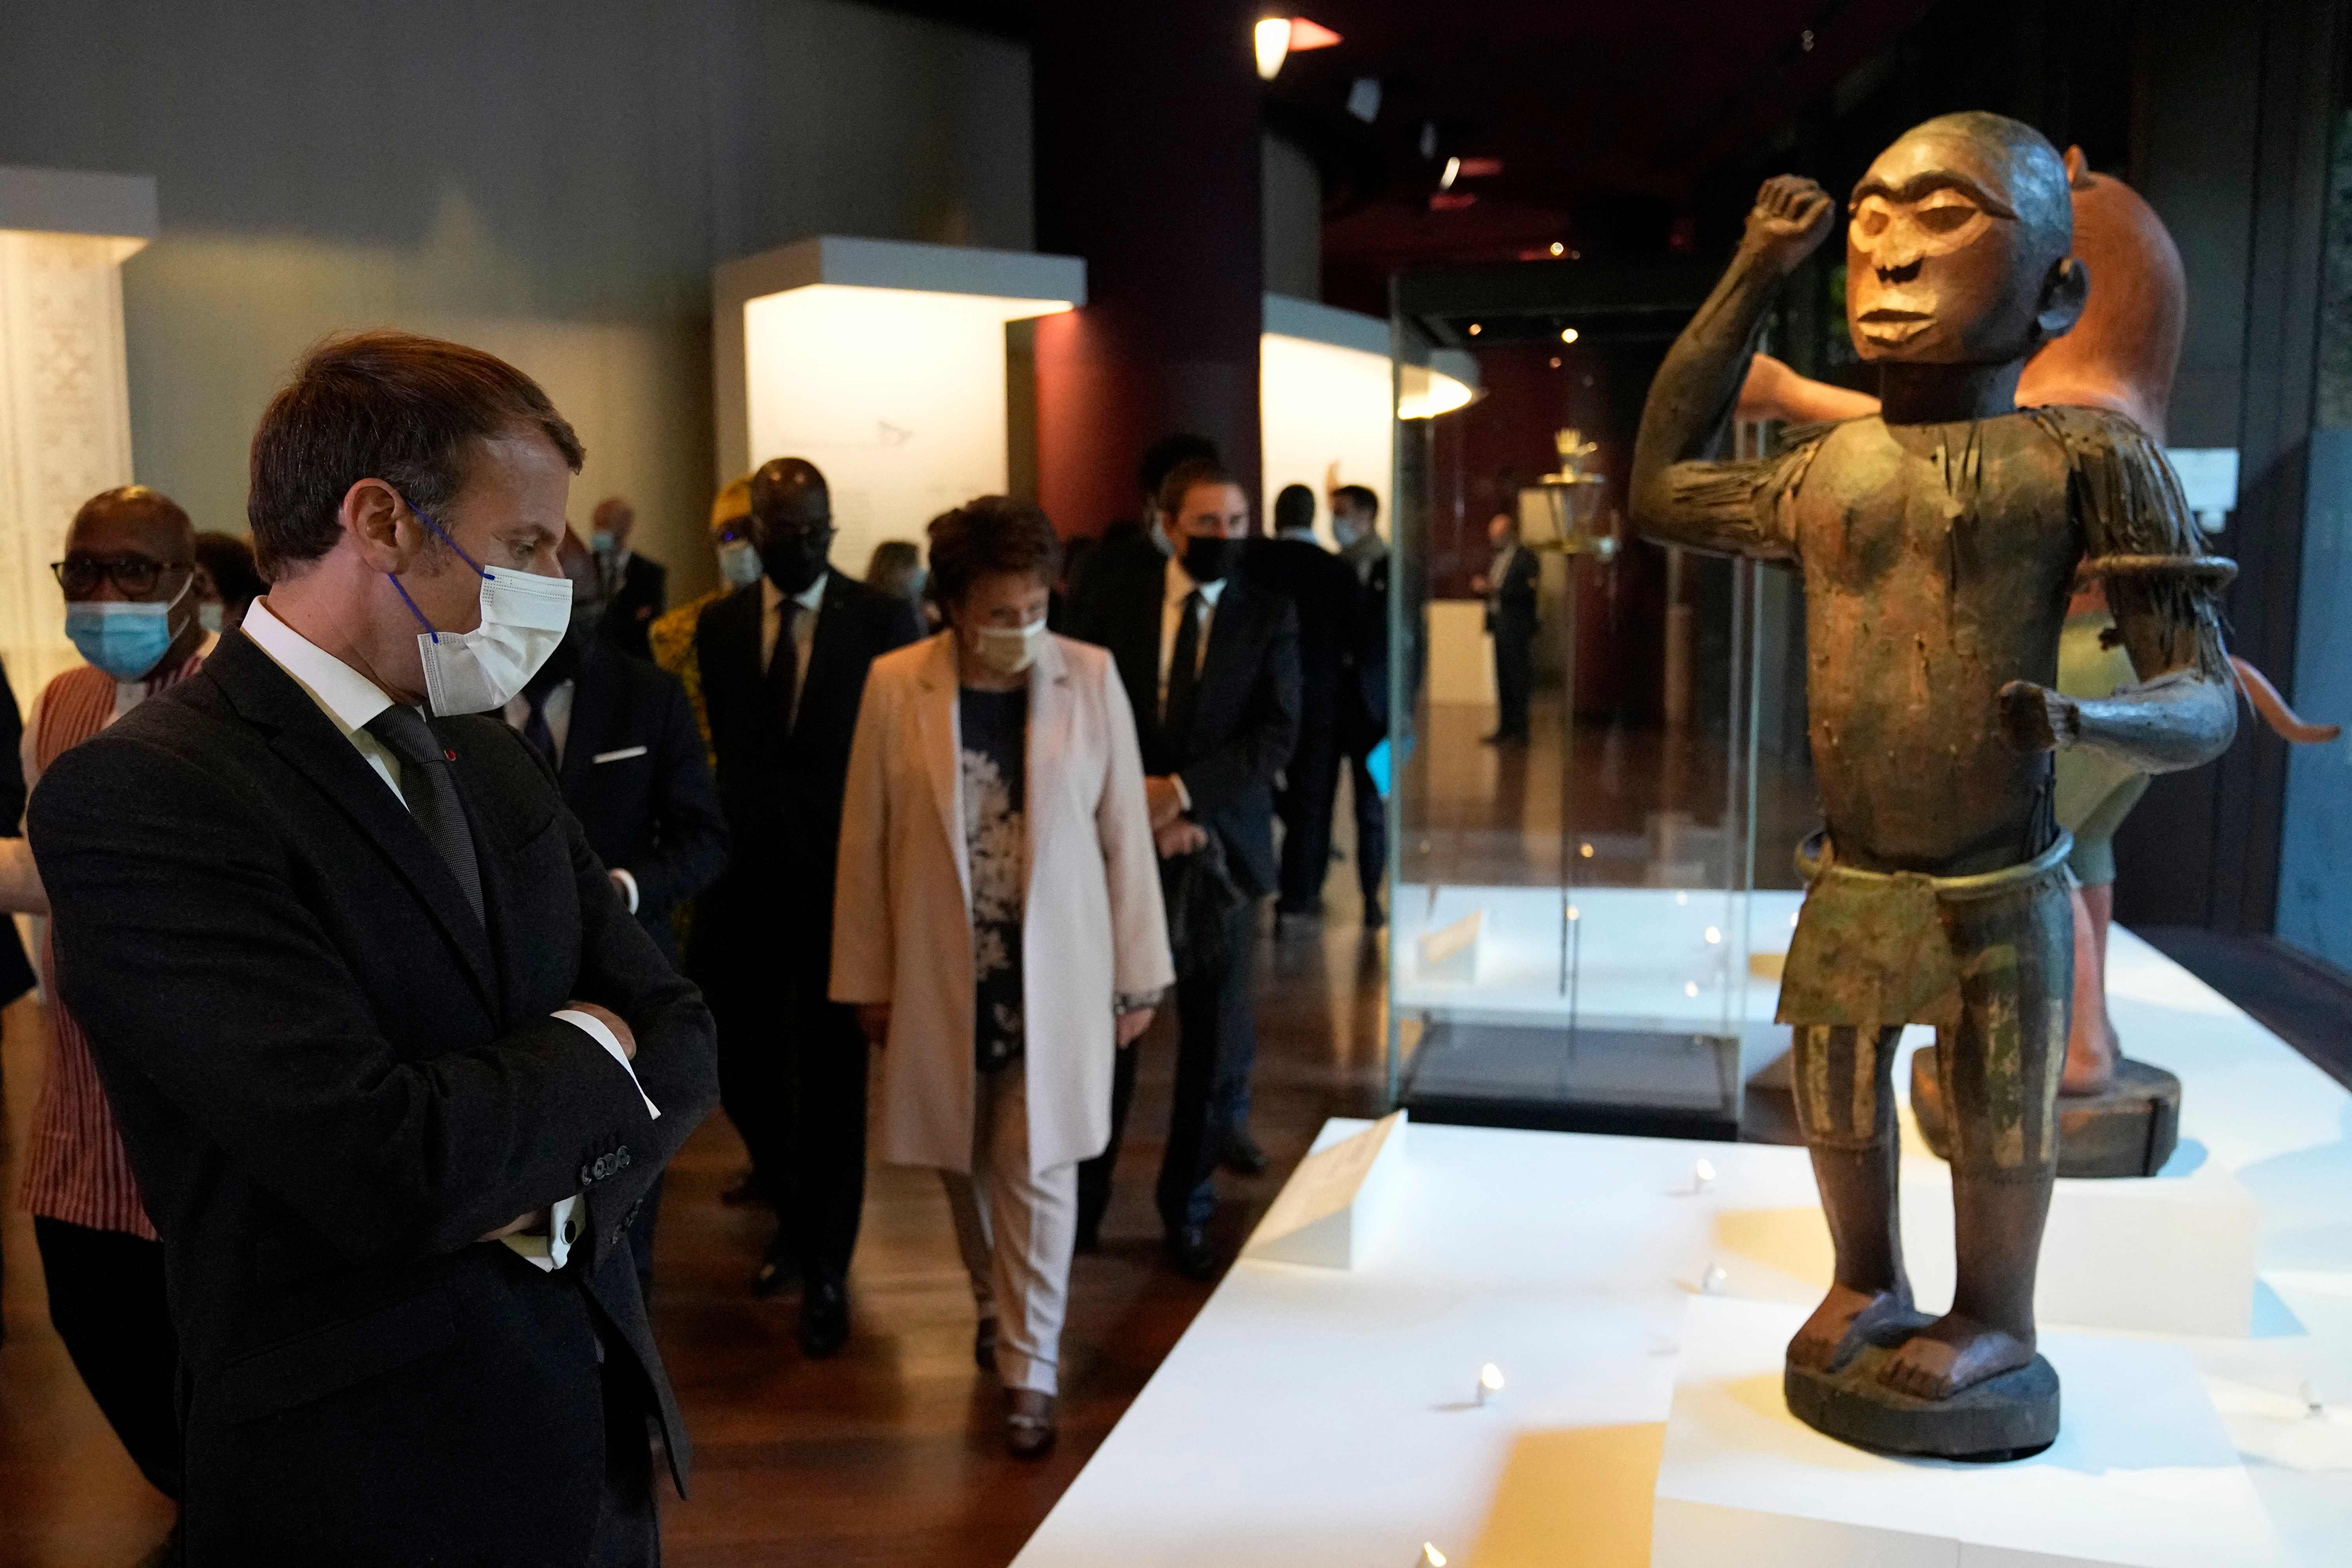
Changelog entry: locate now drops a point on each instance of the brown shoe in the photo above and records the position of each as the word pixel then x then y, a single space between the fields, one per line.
pixel 1029 1424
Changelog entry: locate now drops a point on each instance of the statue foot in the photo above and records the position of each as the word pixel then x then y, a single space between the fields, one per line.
pixel 1847 1319
pixel 2091 1056
pixel 1952 1353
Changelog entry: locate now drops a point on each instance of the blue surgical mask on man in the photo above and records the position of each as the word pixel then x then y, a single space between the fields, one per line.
pixel 126 640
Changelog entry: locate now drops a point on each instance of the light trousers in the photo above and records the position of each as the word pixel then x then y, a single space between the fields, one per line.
pixel 1016 1232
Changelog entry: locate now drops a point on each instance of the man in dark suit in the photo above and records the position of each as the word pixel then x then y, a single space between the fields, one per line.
pixel 402 1065
pixel 1325 592
pixel 636 589
pixel 1364 701
pixel 782 664
pixel 1210 660
pixel 1509 586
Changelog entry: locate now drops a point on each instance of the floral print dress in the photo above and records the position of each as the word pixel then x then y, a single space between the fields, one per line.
pixel 994 744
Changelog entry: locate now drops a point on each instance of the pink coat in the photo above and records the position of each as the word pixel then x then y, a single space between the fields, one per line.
pixel 1093 924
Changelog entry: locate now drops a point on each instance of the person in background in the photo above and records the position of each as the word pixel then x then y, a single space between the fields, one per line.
pixel 1509 586
pixel 782 666
pixel 1210 660
pixel 1136 547
pixel 1020 957
pixel 620 738
pixel 671 635
pixel 15 973
pixel 128 576
pixel 389 1141
pixel 637 589
pixel 1364 701
pixel 227 581
pixel 1325 591
pixel 896 567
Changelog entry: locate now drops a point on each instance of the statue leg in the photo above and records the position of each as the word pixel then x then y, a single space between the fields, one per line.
pixel 1845 1104
pixel 1999 1067
pixel 2091 1045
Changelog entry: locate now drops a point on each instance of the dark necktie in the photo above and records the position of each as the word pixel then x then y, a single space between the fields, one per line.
pixel 430 788
pixel 535 731
pixel 784 666
pixel 1184 674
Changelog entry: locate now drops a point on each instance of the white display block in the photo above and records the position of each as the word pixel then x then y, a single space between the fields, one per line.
pixel 1333 1208
pixel 2172 1255
pixel 2142 1476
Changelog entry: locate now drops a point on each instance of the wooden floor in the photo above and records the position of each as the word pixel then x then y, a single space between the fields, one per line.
pixel 891 1453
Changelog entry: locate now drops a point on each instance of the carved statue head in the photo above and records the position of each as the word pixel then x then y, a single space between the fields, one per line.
pixel 1957 249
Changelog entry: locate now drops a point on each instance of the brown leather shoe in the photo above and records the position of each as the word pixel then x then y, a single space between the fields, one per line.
pixel 1028 1423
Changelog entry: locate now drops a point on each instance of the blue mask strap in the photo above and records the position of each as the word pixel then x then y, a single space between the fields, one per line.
pixel 429 629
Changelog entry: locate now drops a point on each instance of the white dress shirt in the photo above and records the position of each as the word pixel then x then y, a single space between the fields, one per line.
pixel 811 599
pixel 349 700
pixel 1177 588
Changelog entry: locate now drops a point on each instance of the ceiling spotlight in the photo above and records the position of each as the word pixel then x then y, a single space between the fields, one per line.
pixel 1568 334
pixel 1555 362
pixel 1429 139
pixel 1558 249
pixel 1272 37
pixel 1475 329
pixel 1453 173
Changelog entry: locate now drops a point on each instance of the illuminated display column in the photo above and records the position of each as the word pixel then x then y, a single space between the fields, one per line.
pixel 64 390
pixel 1326 391
pixel 881 363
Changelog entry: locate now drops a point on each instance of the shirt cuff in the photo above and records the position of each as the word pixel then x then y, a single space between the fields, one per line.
pixel 628 885
pixel 1183 795
pixel 553 1250
pixel 593 1027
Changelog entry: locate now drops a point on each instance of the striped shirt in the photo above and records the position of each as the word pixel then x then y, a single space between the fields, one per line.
pixel 75 1169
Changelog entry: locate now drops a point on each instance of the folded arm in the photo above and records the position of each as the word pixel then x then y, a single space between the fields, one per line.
pixel 248 1021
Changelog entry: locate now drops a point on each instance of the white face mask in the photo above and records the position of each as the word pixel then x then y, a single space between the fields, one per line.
pixel 739 564
pixel 1008 650
pixel 524 617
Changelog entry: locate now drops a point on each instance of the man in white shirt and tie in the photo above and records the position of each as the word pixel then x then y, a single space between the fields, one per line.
pixel 1210 660
pixel 782 665
pixel 406 1067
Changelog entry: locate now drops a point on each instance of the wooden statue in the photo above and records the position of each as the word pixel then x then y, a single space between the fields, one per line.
pixel 1939 541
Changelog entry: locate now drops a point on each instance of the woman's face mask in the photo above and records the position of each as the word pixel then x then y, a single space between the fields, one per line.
pixel 739 564
pixel 524 617
pixel 1007 650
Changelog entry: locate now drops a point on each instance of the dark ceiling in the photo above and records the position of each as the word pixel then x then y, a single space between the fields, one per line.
pixel 1607 118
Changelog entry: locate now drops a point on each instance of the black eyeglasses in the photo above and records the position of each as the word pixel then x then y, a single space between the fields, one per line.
pixel 82 575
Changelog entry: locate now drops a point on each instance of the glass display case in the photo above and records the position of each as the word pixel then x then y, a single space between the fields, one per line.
pixel 1587 922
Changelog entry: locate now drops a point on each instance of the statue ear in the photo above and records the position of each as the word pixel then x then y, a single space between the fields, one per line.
pixel 2064 295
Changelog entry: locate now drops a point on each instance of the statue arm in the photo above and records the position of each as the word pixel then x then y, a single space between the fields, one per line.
pixel 2165 596
pixel 1678 496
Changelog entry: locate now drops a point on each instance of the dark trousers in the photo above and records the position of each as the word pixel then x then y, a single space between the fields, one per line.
pixel 1372 821
pixel 1311 783
pixel 792 1077
pixel 1513 674
pixel 106 1301
pixel 1216 1045
pixel 628 1525
pixel 641 1236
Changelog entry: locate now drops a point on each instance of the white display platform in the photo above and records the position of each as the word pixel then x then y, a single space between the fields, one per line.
pixel 1335 1206
pixel 2142 1476
pixel 1319 1418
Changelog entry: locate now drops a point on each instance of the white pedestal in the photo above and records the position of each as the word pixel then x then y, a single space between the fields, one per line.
pixel 1338 1200
pixel 2142 1475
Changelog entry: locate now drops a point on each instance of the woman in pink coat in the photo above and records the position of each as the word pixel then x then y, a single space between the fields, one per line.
pixel 997 921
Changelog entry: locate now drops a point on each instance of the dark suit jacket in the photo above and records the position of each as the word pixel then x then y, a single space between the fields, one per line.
pixel 629 613
pixel 634 775
pixel 15 973
pixel 331 1079
pixel 783 792
pixel 1244 719
pixel 1511 602
pixel 1324 589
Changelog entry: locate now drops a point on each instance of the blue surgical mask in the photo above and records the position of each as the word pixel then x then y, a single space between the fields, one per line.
pixel 126 640
pixel 602 542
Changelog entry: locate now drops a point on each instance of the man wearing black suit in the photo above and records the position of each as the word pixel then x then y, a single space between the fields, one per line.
pixel 1324 589
pixel 783 665
pixel 1210 660
pixel 1509 586
pixel 636 590
pixel 1364 705
pixel 403 1063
